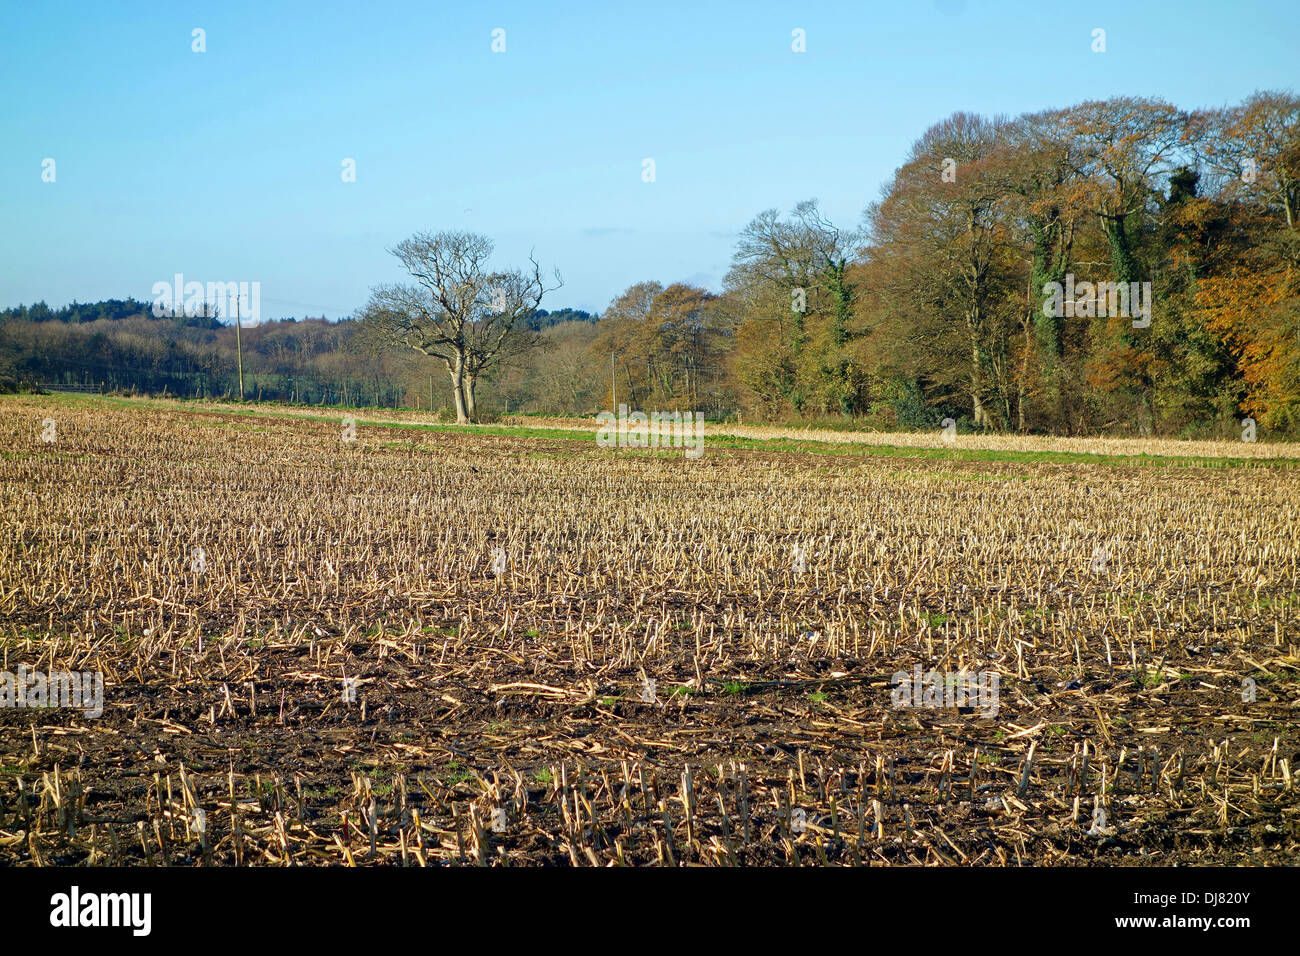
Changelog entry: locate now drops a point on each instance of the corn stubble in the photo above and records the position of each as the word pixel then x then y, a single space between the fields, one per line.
pixel 497 717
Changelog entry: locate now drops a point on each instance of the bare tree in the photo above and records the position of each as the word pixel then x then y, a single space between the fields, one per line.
pixel 458 309
pixel 796 252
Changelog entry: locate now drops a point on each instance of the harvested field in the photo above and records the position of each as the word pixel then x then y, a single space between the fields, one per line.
pixel 432 646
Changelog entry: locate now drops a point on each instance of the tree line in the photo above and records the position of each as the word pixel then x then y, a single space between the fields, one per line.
pixel 947 299
pixel 118 345
pixel 1118 266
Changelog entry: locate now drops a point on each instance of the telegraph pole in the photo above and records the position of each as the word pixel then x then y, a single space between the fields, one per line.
pixel 239 350
pixel 613 384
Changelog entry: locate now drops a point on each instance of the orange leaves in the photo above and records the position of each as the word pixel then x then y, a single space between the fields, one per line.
pixel 1255 315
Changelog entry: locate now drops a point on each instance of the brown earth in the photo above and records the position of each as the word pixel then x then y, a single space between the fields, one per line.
pixel 774 738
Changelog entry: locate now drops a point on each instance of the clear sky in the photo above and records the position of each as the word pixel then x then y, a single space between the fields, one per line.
pixel 226 165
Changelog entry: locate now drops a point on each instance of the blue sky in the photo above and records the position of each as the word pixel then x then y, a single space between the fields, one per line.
pixel 226 165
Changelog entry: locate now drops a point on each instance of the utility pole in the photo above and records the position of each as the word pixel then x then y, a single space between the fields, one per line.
pixel 1029 338
pixel 239 350
pixel 613 384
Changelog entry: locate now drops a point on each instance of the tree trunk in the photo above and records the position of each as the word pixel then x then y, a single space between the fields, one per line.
pixel 467 387
pixel 977 408
pixel 978 412
pixel 458 391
